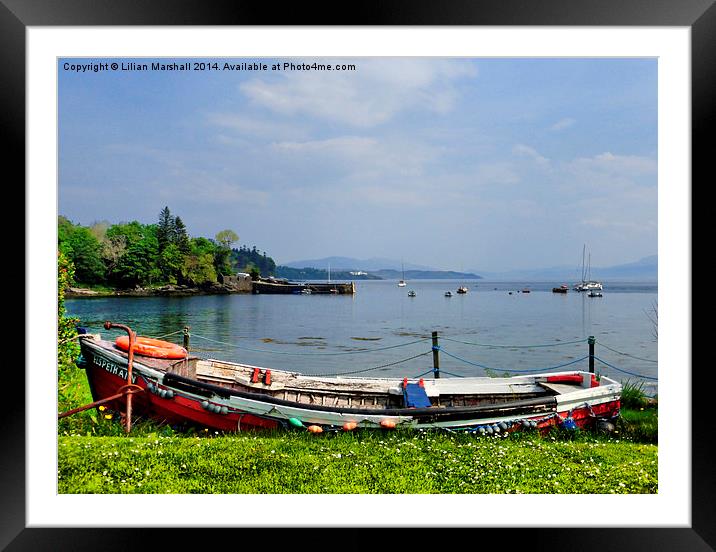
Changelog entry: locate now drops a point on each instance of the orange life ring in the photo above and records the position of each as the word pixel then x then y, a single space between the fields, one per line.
pixel 156 348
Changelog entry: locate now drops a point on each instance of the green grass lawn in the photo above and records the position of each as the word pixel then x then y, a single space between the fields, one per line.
pixel 364 462
pixel 96 457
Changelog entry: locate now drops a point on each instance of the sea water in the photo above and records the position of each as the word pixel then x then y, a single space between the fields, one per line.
pixel 494 329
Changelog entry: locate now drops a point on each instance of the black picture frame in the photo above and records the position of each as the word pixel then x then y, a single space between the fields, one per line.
pixel 698 15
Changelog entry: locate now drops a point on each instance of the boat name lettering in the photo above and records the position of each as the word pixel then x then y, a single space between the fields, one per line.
pixel 113 368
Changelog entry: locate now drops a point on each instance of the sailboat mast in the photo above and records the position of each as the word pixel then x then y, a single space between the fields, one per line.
pixel 584 247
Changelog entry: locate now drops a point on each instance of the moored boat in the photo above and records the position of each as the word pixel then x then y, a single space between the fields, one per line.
pixel 462 289
pixel 561 289
pixel 230 396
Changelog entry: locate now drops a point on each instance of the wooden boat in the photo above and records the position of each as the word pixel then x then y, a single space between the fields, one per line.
pixel 230 396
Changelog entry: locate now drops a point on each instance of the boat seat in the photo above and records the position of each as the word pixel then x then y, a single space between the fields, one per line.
pixel 415 396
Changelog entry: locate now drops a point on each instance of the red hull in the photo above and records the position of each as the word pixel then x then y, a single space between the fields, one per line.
pixel 177 410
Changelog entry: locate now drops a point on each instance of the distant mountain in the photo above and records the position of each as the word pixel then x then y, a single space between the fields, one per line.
pixel 348 263
pixel 425 275
pixel 643 269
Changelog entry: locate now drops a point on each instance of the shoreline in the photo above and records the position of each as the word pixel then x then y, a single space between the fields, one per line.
pixel 162 291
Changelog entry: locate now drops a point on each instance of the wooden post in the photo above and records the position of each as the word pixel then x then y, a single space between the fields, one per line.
pixel 436 356
pixel 186 337
pixel 591 342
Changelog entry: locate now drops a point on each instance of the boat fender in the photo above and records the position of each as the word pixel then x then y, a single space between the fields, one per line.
pixel 224 410
pixel 315 429
pixel 295 422
pixel 569 423
pixel 388 424
pixel 421 383
pixel 349 426
pixel 255 376
pixel 267 377
pixel 405 383
pixel 481 430
pixel 205 405
pixel 496 428
pixel 502 426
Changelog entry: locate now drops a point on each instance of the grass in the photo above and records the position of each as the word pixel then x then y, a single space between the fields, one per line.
pixel 96 457
pixel 348 463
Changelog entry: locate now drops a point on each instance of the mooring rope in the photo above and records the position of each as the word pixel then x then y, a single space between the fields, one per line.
pixel 557 344
pixel 624 371
pixel 626 354
pixel 506 370
pixel 311 353
pixel 378 367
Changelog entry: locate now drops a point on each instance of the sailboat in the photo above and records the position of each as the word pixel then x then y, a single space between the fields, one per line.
pixel 402 282
pixel 587 284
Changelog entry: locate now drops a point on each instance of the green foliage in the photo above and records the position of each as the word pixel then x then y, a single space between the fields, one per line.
pixel 83 250
pixel 366 462
pixel 633 395
pixel 246 260
pixel 226 237
pixel 131 254
pixel 67 347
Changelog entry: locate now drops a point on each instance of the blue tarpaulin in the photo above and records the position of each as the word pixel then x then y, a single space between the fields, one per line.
pixel 415 396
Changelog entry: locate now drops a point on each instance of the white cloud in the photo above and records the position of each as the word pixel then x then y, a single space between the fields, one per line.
pixel 373 94
pixel 623 165
pixel 562 124
pixel 526 151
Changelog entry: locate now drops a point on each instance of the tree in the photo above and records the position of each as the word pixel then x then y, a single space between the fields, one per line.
pixel 181 236
pixel 226 237
pixel 83 250
pixel 165 229
pixel 222 260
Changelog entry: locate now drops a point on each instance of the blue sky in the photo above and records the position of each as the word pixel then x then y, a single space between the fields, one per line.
pixel 490 164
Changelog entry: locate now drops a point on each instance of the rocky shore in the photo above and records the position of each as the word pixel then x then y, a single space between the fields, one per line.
pixel 214 288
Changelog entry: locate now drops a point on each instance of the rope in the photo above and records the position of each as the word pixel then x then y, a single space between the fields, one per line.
pixel 167 335
pixel 311 354
pixel 624 371
pixel 423 374
pixel 514 346
pixel 505 370
pixel 450 374
pixel 68 339
pixel 379 367
pixel 626 354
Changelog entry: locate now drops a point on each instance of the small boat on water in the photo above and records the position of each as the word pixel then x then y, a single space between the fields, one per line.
pixel 595 294
pixel 169 385
pixel 411 293
pixel 526 290
pixel 564 288
pixel 587 284
pixel 402 282
pixel 462 289
pixel 448 294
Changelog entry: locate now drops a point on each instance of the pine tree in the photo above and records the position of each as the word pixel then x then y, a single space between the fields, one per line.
pixel 165 228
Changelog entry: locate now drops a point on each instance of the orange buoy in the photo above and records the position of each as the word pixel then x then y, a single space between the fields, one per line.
pixel 315 429
pixel 349 426
pixel 146 346
pixel 388 424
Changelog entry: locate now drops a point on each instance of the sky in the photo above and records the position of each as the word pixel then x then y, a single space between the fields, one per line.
pixel 454 163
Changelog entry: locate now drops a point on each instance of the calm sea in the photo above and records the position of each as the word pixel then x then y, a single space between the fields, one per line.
pixel 486 331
